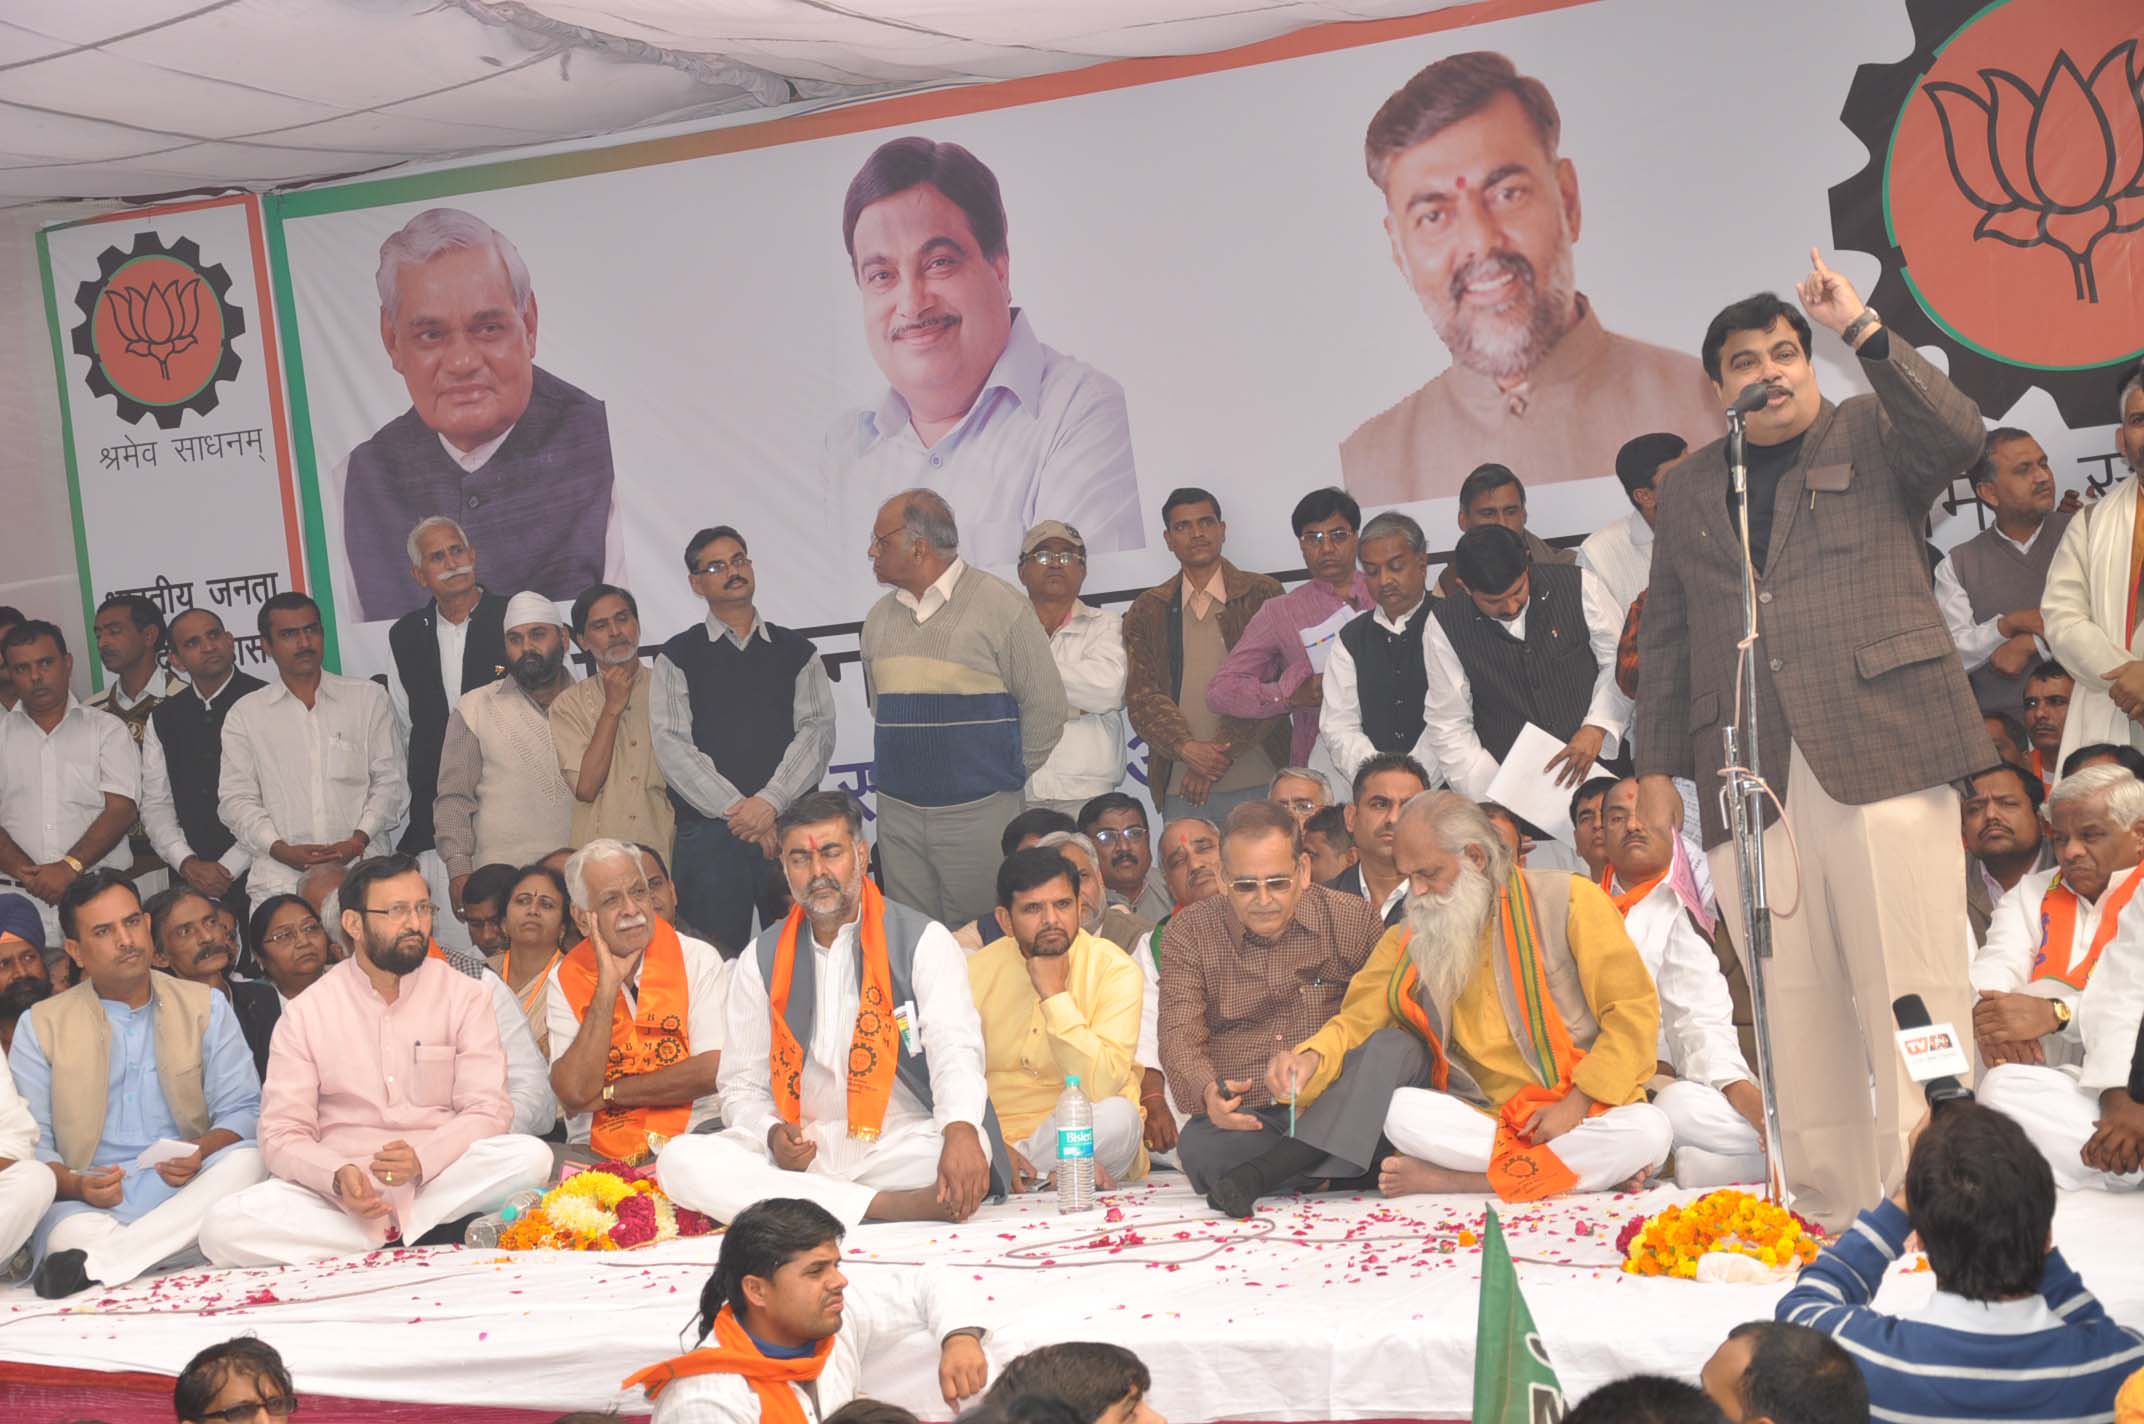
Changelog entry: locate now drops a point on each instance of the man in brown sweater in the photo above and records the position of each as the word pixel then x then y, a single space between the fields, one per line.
pixel 1177 634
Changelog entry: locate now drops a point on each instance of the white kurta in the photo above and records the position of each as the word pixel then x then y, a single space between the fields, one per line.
pixel 707 991
pixel 1697 1015
pixel 2004 962
pixel 2085 607
pixel 877 1310
pixel 1620 555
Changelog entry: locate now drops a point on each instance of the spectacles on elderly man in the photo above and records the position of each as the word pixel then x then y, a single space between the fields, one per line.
pixel 1056 558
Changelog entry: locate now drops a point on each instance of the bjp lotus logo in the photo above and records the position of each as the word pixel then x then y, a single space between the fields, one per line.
pixel 2060 164
pixel 2005 194
pixel 157 329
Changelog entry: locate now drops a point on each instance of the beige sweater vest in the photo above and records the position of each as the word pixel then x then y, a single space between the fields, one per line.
pixel 77 1041
pixel 524 809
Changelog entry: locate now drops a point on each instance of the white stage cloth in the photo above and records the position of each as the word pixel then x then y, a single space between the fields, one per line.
pixel 1322 1308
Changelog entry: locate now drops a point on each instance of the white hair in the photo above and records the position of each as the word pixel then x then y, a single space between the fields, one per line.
pixel 426 526
pixel 1071 838
pixel 925 515
pixel 1459 823
pixel 2121 399
pixel 2124 793
pixel 602 848
pixel 438 230
pixel 1302 773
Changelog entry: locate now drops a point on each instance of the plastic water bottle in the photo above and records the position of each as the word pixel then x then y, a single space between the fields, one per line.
pixel 1075 1149
pixel 484 1232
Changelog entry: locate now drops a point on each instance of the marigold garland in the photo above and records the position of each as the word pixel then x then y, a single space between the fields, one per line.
pixel 1669 1242
pixel 609 1207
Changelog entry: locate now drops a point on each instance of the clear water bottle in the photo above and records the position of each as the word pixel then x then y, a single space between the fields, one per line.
pixel 484 1232
pixel 1075 1149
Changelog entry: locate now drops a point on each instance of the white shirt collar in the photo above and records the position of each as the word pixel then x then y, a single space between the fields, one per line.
pixel 936 596
pixel 21 709
pixel 1398 625
pixel 473 460
pixel 1018 372
pixel 1983 1317
pixel 716 628
pixel 1641 533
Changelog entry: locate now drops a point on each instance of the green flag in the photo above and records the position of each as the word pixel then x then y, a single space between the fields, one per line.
pixel 1513 1381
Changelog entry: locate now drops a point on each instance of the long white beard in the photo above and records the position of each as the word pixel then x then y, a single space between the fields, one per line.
pixel 1445 932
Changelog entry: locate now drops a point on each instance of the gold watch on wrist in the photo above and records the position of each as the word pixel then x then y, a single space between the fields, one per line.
pixel 610 1093
pixel 2062 1014
pixel 72 864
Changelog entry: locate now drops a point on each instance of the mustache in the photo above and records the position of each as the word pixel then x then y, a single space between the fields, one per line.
pixel 457 571
pixel 825 885
pixel 929 323
pixel 1494 264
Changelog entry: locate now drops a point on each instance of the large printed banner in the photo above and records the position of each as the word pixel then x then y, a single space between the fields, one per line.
pixel 178 456
pixel 1362 255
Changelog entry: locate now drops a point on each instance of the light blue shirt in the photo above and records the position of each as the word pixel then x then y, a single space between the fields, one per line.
pixel 1048 438
pixel 135 1113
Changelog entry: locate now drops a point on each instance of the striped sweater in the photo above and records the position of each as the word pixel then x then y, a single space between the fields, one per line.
pixel 968 702
pixel 2054 1356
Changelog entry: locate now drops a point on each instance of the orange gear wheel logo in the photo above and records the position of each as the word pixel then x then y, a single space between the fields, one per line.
pixel 157 327
pixel 2005 194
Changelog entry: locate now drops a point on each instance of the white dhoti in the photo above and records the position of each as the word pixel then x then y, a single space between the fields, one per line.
pixel 2059 1117
pixel 721 1174
pixel 26 1191
pixel 1714 1144
pixel 117 1252
pixel 1602 1152
pixel 281 1223
pixel 1117 1128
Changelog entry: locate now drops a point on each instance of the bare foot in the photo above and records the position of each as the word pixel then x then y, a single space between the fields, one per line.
pixel 1409 1176
pixel 1635 1184
pixel 916 1204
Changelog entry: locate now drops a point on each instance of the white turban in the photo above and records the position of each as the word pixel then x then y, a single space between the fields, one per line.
pixel 526 607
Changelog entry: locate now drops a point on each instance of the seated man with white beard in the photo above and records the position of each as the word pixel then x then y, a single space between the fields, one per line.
pixel 1713 1103
pixel 2055 928
pixel 1529 1093
pixel 853 1072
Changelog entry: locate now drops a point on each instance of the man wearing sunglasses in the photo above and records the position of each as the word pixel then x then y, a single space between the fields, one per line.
pixel 237 1381
pixel 1244 973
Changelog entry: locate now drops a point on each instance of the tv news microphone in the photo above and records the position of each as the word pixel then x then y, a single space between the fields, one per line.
pixel 1928 1048
pixel 1753 397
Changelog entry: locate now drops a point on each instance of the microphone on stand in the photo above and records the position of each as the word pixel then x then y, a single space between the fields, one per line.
pixel 1910 1014
pixel 1753 397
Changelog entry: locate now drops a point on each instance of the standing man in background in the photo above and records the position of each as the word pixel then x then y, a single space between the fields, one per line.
pixel 454 644
pixel 969 704
pixel 1620 554
pixel 131 640
pixel 743 719
pixel 603 734
pixel 1989 586
pixel 182 760
pixel 1087 644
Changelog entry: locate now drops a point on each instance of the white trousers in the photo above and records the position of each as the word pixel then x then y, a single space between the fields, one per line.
pixel 1602 1152
pixel 280 1223
pixel 1117 1129
pixel 2059 1117
pixel 1703 1118
pixel 25 1196
pixel 118 1253
pixel 720 1174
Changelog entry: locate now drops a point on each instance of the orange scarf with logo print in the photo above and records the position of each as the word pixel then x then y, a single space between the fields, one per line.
pixel 874 1048
pixel 1518 1170
pixel 734 1353
pixel 646 1035
pixel 2058 929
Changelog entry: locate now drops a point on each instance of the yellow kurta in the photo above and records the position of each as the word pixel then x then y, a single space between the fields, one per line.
pixel 1031 1044
pixel 1618 1062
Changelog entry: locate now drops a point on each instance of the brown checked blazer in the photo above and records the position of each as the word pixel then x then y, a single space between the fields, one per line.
pixel 1153 688
pixel 1854 664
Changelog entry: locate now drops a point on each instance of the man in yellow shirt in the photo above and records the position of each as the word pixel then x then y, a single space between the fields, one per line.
pixel 1538 1016
pixel 1057 1003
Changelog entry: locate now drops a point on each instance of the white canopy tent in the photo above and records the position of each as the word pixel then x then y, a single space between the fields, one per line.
pixel 121 102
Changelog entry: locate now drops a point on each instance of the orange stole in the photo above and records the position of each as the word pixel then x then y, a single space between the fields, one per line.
pixel 1629 899
pixel 2058 929
pixel 656 1036
pixel 1520 1171
pixel 875 1047
pixel 734 1354
pixel 1403 997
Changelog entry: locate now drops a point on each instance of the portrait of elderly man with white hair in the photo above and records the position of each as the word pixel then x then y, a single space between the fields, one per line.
pixel 1535 1011
pixel 521 458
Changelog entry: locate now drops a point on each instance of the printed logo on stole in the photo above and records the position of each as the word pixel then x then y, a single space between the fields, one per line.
pixel 2004 195
pixel 157 326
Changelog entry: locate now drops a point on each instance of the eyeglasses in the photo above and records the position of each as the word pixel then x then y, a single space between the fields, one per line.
pixel 1271 884
pixel 1056 558
pixel 1318 538
pixel 290 934
pixel 878 539
pixel 281 1407
pixel 414 910
pixel 1130 835
pixel 1301 805
pixel 715 568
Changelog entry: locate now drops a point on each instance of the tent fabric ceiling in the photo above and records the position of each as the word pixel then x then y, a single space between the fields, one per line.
pixel 143 98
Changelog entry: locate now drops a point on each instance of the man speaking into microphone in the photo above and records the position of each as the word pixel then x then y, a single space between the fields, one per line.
pixel 1864 712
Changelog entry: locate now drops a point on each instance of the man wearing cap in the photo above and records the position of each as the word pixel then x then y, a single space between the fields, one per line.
pixel 501 796
pixel 1620 554
pixel 1088 646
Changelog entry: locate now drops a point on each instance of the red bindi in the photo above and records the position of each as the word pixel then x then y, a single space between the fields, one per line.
pixel 1461 183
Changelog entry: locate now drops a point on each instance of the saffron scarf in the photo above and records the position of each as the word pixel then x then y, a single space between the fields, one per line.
pixel 652 1033
pixel 1518 1170
pixel 733 1353
pixel 1629 899
pixel 2058 928
pixel 875 1047
pixel 1403 997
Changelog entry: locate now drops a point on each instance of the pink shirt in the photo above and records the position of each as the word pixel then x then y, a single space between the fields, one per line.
pixel 1269 662
pixel 350 1072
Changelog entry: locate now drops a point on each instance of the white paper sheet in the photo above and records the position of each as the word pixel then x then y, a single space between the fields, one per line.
pixel 164 1149
pixel 1521 787
pixel 1318 637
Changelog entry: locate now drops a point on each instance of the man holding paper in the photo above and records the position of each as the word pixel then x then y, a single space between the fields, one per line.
pixel 1524 645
